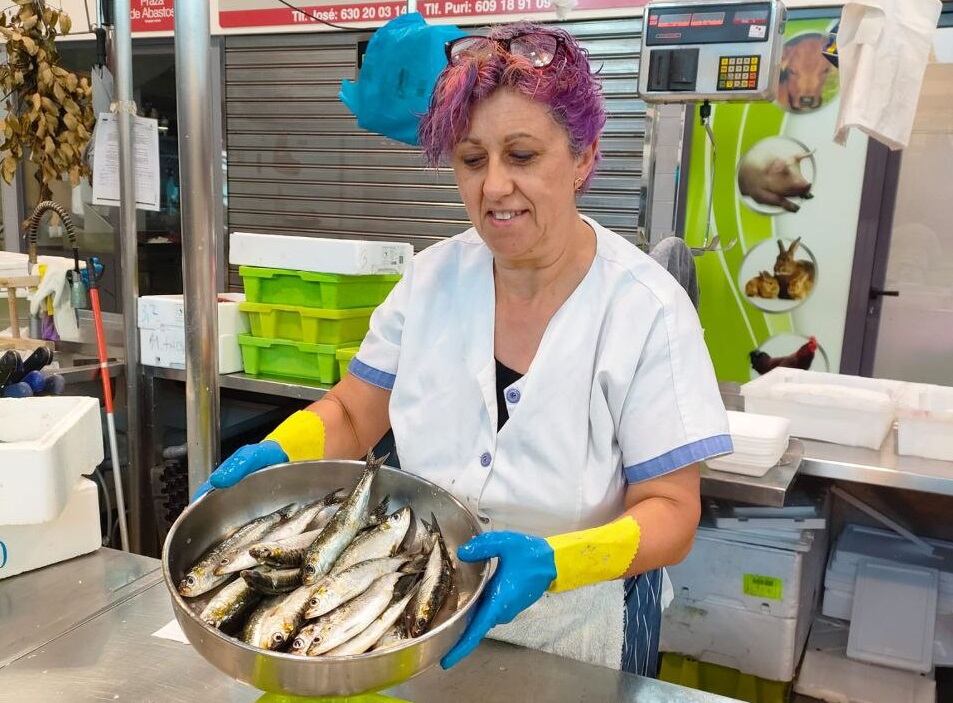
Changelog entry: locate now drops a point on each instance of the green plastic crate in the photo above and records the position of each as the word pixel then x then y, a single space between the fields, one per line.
pixel 295 360
pixel 721 680
pixel 310 325
pixel 344 356
pixel 314 290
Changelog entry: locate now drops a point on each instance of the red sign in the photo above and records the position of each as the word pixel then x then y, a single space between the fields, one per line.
pixel 470 8
pixel 305 15
pixel 152 15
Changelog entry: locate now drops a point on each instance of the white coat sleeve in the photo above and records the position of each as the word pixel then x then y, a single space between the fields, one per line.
pixel 376 361
pixel 672 415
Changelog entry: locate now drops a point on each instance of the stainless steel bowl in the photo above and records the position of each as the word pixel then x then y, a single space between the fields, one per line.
pixel 211 517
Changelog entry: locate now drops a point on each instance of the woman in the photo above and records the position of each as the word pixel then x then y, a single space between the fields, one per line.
pixel 538 366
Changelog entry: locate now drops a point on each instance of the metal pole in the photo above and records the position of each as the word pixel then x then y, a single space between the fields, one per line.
pixel 126 110
pixel 647 189
pixel 197 159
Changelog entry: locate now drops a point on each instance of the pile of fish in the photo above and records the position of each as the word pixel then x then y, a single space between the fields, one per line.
pixel 333 577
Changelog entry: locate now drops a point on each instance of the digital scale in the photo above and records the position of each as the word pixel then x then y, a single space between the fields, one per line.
pixel 715 51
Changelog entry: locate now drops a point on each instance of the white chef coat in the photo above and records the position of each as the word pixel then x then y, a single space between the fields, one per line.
pixel 621 390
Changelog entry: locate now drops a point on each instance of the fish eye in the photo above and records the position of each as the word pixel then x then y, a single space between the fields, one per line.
pixel 309 569
pixel 277 638
pixel 190 580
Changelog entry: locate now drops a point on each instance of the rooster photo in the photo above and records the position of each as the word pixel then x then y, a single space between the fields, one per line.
pixel 788 350
pixel 778 275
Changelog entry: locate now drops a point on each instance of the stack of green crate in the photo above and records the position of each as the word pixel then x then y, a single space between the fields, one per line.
pixel 304 325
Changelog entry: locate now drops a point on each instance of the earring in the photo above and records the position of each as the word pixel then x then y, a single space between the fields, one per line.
pixel 576 183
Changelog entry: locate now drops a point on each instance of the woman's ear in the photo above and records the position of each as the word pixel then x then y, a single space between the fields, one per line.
pixel 586 162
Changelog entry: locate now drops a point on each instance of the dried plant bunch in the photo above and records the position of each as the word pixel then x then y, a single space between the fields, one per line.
pixel 50 114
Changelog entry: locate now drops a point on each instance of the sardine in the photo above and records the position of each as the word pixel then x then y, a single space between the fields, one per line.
pixel 395 635
pixel 378 514
pixel 282 623
pixel 293 526
pixel 230 604
pixel 251 633
pixel 333 590
pixel 201 578
pixel 271 582
pixel 334 502
pixel 303 640
pixel 434 587
pixel 382 541
pixel 287 552
pixel 343 527
pixel 418 537
pixel 352 618
pixel 376 630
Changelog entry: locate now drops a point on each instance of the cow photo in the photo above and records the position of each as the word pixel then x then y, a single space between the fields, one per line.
pixel 808 80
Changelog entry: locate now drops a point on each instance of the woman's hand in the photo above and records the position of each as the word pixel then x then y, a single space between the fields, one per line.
pixel 526 569
pixel 244 461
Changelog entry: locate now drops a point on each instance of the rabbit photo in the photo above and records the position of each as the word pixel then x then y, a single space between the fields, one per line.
pixel 795 277
pixel 764 285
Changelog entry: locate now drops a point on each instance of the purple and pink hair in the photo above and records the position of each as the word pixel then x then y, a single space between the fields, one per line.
pixel 567 86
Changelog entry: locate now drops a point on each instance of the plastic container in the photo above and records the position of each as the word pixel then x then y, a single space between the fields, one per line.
pixel 828 674
pixel 344 356
pixel 74 531
pixel 295 360
pixel 925 422
pixel 774 580
pixel 46 445
pixel 830 407
pixel 314 290
pixel 722 681
pixel 309 325
pixel 351 257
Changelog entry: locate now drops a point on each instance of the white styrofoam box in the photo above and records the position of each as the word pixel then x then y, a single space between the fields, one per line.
pixel 894 615
pixel 164 347
pixel 839 597
pixel 162 331
pixel 758 578
pixel 859 542
pixel 74 531
pixel 745 464
pixel 341 256
pixel 829 675
pixel 925 422
pixel 830 407
pixel 46 445
pixel 154 311
pixel 754 643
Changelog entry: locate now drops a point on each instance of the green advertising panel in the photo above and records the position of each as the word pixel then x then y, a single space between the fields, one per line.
pixel 784 207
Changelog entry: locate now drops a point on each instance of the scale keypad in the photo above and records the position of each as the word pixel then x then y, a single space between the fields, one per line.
pixel 738 72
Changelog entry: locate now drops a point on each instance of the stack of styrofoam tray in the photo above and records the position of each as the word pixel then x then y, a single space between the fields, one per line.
pixel 759 443
pixel 744 599
pixel 338 256
pixel 46 445
pixel 925 422
pixel 830 407
pixel 799 512
pixel 829 675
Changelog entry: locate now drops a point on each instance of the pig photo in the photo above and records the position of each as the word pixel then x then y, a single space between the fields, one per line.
pixel 776 175
pixel 804 73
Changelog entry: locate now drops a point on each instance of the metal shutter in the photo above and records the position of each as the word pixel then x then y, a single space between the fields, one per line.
pixel 298 163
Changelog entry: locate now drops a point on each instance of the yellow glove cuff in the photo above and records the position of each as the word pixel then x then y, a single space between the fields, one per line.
pixel 301 436
pixel 598 554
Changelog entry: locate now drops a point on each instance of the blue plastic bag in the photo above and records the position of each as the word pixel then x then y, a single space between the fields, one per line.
pixel 397 77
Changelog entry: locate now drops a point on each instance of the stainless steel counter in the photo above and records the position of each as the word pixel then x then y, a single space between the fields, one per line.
pixel 112 655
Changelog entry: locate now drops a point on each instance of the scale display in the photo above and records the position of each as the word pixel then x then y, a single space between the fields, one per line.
pixel 716 51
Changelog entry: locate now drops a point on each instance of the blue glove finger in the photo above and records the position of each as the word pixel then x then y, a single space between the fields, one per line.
pixel 204 488
pixel 483 621
pixel 485 546
pixel 246 460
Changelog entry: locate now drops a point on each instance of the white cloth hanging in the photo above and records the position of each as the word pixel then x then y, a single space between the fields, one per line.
pixel 883 48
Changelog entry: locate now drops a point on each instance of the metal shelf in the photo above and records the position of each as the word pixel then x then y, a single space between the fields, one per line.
pixel 299 390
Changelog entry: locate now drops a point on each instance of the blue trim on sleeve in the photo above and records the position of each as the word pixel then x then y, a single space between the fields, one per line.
pixel 708 448
pixel 375 377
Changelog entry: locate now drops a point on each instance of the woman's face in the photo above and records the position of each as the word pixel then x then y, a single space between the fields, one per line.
pixel 517 177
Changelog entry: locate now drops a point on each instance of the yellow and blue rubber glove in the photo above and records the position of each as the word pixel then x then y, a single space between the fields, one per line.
pixel 299 438
pixel 529 566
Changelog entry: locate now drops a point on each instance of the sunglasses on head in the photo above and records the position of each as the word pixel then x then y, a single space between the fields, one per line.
pixel 538 48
